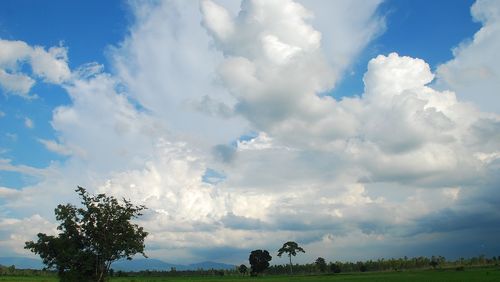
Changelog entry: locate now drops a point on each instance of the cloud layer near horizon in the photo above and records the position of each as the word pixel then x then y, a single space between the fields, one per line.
pixel 215 118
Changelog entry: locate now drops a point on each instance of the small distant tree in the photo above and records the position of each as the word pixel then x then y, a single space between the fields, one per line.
pixel 91 238
pixel 259 261
pixel 434 262
pixel 321 264
pixel 243 269
pixel 291 248
pixel 335 267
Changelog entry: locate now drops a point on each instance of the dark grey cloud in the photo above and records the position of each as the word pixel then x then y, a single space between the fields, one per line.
pixel 449 220
pixel 304 222
pixel 225 253
pixel 240 222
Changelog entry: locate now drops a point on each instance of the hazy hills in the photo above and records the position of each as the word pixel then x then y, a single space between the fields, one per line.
pixel 123 265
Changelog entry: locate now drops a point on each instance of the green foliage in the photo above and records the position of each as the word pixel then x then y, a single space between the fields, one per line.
pixel 90 238
pixel 243 269
pixel 321 264
pixel 436 261
pixel 12 271
pixel 470 275
pixel 387 265
pixel 291 248
pixel 446 273
pixel 335 268
pixel 259 261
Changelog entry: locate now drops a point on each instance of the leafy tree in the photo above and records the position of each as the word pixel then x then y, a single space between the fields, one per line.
pixel 291 248
pixel 335 267
pixel 259 261
pixel 321 264
pixel 91 238
pixel 243 269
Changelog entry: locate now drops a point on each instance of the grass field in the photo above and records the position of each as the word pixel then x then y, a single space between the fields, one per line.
pixel 482 274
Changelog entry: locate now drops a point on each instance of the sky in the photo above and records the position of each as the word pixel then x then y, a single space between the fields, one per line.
pixel 360 129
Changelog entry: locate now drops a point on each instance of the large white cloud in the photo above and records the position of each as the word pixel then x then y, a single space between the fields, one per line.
pixel 474 73
pixel 15 232
pixel 168 66
pixel 190 79
pixel 401 130
pixel 400 127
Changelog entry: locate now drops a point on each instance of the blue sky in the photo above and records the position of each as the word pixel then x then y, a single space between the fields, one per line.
pixel 417 29
pixel 218 121
pixel 49 24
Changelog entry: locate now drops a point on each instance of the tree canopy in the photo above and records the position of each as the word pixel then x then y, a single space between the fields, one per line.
pixel 321 264
pixel 291 248
pixel 259 261
pixel 91 238
pixel 243 269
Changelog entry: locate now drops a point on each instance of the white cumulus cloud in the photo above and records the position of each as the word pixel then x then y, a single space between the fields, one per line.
pixel 50 65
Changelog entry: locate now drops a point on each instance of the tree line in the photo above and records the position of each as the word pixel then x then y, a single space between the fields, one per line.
pixel 320 266
pixel 392 264
pixel 313 268
pixel 13 271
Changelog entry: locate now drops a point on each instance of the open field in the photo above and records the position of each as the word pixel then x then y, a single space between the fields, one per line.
pixel 481 274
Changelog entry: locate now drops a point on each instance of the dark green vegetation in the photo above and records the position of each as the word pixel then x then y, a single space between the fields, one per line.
pixel 386 265
pixel 243 269
pixel 478 268
pixel 10 273
pixel 321 264
pixel 259 261
pixel 468 274
pixel 90 238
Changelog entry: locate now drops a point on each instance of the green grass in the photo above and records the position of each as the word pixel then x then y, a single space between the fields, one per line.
pixel 479 274
pixel 28 279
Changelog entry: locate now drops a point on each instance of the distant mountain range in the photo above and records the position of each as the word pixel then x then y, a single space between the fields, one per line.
pixel 156 264
pixel 123 265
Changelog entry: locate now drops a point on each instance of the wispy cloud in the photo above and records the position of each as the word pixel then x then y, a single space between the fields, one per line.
pixel 6 165
pixel 11 136
pixel 55 147
pixel 29 123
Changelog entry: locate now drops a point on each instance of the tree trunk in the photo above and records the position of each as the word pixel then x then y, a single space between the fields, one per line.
pixel 290 256
pixel 103 271
pixel 100 278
